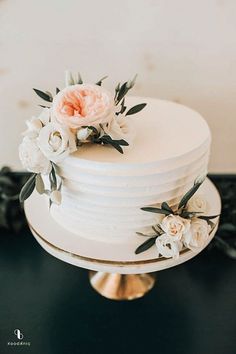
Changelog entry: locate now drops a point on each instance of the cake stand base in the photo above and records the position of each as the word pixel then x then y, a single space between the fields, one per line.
pixel 121 286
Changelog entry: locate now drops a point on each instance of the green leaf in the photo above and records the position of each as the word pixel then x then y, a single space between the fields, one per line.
pixel 142 234
pixel 156 210
pixel 53 179
pixel 166 207
pixel 117 147
pixel 79 79
pixel 136 109
pixel 57 90
pixel 205 217
pixel 117 89
pixel 189 214
pixel 146 245
pixel 122 92
pixel 157 229
pixel 121 142
pixel 131 83
pixel 43 95
pixel 40 105
pixel 99 83
pixel 39 184
pixel 28 188
pixel 106 139
pixel 189 194
pixel 94 130
pixel 123 107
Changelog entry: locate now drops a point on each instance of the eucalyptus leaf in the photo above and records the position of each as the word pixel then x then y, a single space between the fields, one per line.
pixel 121 142
pixel 205 217
pixel 142 234
pixel 28 188
pixel 122 92
pixel 189 194
pixel 166 207
pixel 156 210
pixel 117 147
pixel 131 83
pixel 43 95
pixel 41 105
pixel 157 229
pixel 53 179
pixel 99 83
pixel 49 94
pixel 146 245
pixel 123 107
pixel 106 139
pixel 117 89
pixel 39 184
pixel 136 109
pixel 79 79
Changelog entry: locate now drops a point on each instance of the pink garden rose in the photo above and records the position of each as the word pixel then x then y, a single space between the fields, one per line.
pixel 84 104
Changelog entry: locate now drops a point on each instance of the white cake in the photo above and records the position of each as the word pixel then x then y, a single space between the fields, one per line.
pixel 103 190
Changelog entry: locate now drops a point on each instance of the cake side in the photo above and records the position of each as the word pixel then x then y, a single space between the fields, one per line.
pixel 103 191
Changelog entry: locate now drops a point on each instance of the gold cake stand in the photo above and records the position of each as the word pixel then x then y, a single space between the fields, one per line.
pixel 114 272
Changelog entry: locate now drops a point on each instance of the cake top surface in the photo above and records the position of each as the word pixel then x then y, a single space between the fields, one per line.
pixel 162 130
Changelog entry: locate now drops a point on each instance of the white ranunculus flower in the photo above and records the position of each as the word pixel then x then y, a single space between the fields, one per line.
pixel 83 134
pixel 167 247
pixel 175 226
pixel 56 141
pixel 45 116
pixel 197 235
pixel 35 124
pixel 197 203
pixel 119 128
pixel 32 157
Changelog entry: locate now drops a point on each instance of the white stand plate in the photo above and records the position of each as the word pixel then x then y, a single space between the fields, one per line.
pixel 101 256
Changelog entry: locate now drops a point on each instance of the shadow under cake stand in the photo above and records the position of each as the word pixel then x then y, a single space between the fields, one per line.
pixel 115 271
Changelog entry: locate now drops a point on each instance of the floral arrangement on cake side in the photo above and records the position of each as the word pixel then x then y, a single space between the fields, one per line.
pixel 183 227
pixel 80 113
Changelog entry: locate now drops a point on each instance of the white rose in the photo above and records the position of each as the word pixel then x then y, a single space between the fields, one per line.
pixel 83 134
pixel 35 124
pixel 175 226
pixel 197 203
pixel 197 235
pixel 32 157
pixel 56 141
pixel 119 128
pixel 167 247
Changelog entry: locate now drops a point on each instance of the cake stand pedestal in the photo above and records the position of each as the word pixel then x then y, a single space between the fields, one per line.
pixel 117 273
pixel 121 286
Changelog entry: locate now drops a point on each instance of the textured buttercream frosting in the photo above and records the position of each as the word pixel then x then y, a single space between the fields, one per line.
pixel 104 190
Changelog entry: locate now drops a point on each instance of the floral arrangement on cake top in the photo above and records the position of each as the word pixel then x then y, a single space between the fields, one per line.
pixel 80 113
pixel 183 227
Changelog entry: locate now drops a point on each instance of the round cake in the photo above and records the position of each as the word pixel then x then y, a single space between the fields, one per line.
pixel 103 191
